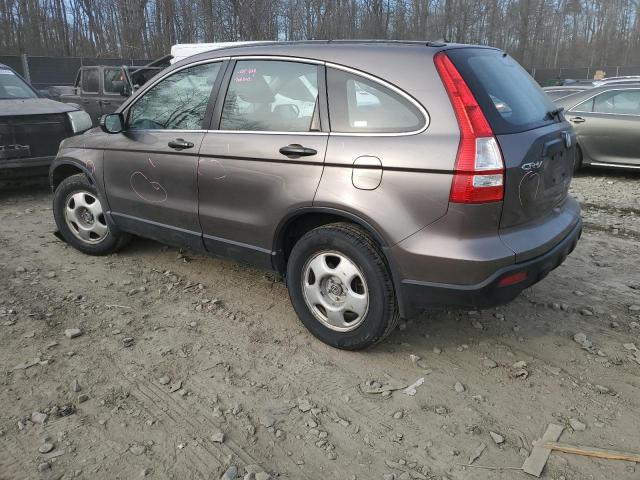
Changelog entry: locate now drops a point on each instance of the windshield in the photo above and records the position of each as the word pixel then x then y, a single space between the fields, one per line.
pixel 511 100
pixel 12 86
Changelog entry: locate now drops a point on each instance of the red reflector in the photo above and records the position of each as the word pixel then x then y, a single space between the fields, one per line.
pixel 512 279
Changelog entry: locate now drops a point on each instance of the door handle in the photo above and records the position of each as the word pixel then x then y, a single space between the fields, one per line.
pixel 85 100
pixel 105 102
pixel 180 144
pixel 578 120
pixel 296 150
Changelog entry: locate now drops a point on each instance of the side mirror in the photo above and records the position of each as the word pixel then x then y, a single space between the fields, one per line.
pixel 112 123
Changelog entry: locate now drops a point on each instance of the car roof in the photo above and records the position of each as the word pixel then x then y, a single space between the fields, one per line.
pixel 329 50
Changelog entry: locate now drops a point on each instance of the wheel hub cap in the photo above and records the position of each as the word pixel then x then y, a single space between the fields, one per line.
pixel 84 217
pixel 335 291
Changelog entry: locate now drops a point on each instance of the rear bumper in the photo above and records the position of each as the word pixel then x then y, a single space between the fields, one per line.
pixel 418 295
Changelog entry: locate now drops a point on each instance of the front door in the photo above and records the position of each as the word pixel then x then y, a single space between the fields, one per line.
pixel 90 92
pixel 113 80
pixel 264 159
pixel 151 168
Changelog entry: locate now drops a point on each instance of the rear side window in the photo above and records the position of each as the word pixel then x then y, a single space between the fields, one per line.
pixel 622 102
pixel 360 105
pixel 271 95
pixel 90 80
pixel 511 100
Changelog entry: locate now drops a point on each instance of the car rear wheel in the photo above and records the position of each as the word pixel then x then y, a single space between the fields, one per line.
pixel 80 217
pixel 341 288
pixel 577 162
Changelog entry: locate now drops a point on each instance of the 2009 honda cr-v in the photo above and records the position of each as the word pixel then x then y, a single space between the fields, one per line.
pixel 378 178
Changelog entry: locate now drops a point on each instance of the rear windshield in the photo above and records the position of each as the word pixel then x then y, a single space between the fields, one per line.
pixel 511 100
pixel 12 86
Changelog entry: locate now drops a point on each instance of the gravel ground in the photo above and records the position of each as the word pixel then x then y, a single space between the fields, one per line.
pixel 162 364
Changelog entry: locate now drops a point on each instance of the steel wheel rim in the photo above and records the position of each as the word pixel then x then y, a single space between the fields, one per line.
pixel 84 216
pixel 335 291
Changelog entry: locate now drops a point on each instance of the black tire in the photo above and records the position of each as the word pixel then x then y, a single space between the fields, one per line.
pixel 74 184
pixel 354 243
pixel 577 162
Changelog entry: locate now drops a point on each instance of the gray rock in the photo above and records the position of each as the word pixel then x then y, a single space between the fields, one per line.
pixel 398 415
pixel 137 449
pixel 46 447
pixel 577 425
pixel 586 312
pixel 487 362
pixel 38 417
pixel 437 351
pixel 230 474
pixel 164 380
pixel 602 389
pixel 83 398
pixel 304 405
pixel 127 342
pixel 75 386
pixel 634 308
pixel 262 476
pixel 73 332
pixel 43 467
pixel 458 387
pixel 217 437
pixel 497 437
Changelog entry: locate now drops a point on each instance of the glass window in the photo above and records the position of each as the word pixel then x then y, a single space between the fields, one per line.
pixel 360 105
pixel 12 86
pixel 114 80
pixel 179 102
pixel 511 100
pixel 626 102
pixel 90 80
pixel 270 95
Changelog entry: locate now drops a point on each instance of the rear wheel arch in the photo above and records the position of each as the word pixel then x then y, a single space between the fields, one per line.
pixel 295 225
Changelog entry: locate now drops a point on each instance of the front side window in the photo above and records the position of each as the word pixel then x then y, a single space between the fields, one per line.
pixel 271 95
pixel 360 105
pixel 625 102
pixel 179 102
pixel 113 80
pixel 90 80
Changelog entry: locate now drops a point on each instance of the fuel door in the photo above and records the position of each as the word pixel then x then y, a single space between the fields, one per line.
pixel 366 173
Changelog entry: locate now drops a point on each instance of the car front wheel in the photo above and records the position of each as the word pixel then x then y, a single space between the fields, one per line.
pixel 341 288
pixel 80 217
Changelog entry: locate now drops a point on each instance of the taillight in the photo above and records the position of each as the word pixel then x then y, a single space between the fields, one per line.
pixel 479 169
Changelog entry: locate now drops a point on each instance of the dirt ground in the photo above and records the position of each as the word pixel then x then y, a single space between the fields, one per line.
pixel 186 365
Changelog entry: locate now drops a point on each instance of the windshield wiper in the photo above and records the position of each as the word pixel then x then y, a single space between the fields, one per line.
pixel 555 113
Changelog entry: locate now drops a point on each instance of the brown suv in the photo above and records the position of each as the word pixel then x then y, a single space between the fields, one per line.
pixel 378 178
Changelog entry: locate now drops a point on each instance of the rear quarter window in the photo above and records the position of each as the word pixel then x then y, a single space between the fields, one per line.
pixel 358 104
pixel 511 100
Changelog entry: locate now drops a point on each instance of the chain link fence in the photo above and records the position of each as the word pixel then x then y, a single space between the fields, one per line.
pixel 43 72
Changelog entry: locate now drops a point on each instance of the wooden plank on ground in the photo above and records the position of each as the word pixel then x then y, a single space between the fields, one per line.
pixel 535 462
pixel 593 452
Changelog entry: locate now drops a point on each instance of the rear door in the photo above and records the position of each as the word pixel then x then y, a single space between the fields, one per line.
pixel 608 126
pixel 263 157
pixel 537 145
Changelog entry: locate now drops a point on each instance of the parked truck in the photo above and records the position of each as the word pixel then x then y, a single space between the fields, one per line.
pixel 101 89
